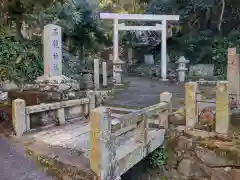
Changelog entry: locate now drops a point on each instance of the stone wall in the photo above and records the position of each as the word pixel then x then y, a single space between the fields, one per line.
pixel 200 155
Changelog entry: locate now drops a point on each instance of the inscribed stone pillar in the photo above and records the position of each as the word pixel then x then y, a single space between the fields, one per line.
pixel 222 107
pixel 104 69
pixel 52 48
pixel 190 104
pixel 96 74
pixel 233 72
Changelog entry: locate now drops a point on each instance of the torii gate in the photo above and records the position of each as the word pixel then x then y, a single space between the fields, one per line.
pixel 141 17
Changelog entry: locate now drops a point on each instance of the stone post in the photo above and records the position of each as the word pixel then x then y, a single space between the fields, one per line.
pixel 19 116
pixel 163 116
pixel 115 44
pixel 61 116
pixel 52 49
pixel 141 130
pixel 222 107
pixel 190 104
pixel 233 70
pixel 130 56
pixel 96 74
pixel 92 102
pixel 164 50
pixel 102 144
pixel 104 69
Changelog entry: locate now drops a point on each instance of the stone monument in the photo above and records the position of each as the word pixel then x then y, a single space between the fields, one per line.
pixel 52 40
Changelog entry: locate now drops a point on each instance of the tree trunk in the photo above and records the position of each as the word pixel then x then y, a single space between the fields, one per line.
pixel 81 54
pixel 19 36
pixel 221 17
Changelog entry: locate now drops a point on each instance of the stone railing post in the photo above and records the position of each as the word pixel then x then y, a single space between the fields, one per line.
pixel 19 117
pixel 141 130
pixel 163 116
pixel 104 73
pixel 61 116
pixel 92 99
pixel 222 107
pixel 102 144
pixel 233 71
pixel 190 104
pixel 96 74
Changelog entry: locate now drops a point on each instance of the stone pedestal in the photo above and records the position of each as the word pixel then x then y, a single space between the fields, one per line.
pixel 182 69
pixel 117 69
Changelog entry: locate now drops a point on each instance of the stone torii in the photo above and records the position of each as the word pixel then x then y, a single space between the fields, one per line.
pixel 141 17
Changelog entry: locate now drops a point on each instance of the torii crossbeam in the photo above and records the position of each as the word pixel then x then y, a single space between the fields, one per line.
pixel 142 17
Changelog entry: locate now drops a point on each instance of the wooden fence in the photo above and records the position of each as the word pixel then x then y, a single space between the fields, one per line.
pixel 21 114
pixel 118 144
pixel 193 102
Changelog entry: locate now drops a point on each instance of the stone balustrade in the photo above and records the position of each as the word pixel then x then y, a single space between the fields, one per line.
pixel 22 118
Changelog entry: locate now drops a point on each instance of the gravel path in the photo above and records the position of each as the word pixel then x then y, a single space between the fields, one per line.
pixel 143 92
pixel 16 165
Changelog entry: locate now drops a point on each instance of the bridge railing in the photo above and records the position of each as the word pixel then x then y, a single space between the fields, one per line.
pixel 23 116
pixel 118 144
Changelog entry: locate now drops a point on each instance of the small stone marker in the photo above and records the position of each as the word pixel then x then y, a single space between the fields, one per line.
pixel 52 47
pixel 104 69
pixel 96 73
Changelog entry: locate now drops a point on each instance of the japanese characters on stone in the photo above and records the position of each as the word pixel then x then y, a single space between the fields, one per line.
pixel 56 50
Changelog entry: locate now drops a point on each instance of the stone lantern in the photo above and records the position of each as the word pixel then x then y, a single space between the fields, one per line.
pixel 182 68
pixel 118 71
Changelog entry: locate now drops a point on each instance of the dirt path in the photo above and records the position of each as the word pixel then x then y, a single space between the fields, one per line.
pixel 141 92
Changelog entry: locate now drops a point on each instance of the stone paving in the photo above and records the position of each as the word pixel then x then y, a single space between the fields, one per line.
pixel 142 92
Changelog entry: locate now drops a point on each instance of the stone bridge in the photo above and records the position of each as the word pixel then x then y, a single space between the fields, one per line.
pixel 114 138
